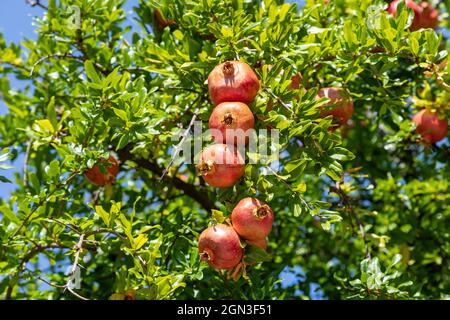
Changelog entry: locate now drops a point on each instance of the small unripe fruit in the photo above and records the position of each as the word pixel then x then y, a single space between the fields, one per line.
pixel 252 219
pixel 342 107
pixel 234 117
pixel 429 126
pixel 425 16
pixel 261 243
pixel 220 246
pixel 97 177
pixel 221 165
pixel 233 81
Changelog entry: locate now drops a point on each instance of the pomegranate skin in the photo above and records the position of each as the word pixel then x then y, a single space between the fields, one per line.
pixel 261 243
pixel 252 219
pixel 425 16
pixel 343 108
pixel 98 178
pixel 220 246
pixel 221 165
pixel 429 126
pixel 231 116
pixel 233 81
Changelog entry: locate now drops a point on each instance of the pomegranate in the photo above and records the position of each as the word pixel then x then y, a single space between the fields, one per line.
pixel 429 126
pixel 233 81
pixel 220 246
pixel 342 109
pixel 425 16
pixel 221 165
pixel 97 177
pixel 252 219
pixel 162 22
pixel 262 243
pixel 234 118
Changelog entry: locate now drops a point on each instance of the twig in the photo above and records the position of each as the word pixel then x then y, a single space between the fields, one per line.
pixel 188 189
pixel 41 202
pixel 25 163
pixel 278 100
pixel 179 145
pixel 78 248
pixel 66 55
pixel 35 3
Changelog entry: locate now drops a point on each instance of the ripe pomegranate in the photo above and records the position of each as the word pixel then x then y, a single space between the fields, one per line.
pixel 425 16
pixel 221 165
pixel 233 81
pixel 429 126
pixel 342 107
pixel 97 177
pixel 162 22
pixel 231 117
pixel 262 243
pixel 220 246
pixel 252 219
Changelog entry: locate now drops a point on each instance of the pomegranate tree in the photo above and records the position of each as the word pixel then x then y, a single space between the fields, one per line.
pixel 339 106
pixel 429 126
pixel 107 176
pixel 234 118
pixel 220 246
pixel 221 165
pixel 425 15
pixel 233 81
pixel 252 219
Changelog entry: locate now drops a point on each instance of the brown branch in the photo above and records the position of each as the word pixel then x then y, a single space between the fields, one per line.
pixel 188 189
pixel 34 251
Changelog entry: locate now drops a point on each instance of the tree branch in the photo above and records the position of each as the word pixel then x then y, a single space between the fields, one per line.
pixel 188 189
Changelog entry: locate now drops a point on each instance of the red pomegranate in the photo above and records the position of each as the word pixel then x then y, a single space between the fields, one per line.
pixel 252 219
pixel 342 107
pixel 236 118
pixel 425 16
pixel 97 177
pixel 233 81
pixel 221 165
pixel 220 246
pixel 162 22
pixel 261 243
pixel 429 126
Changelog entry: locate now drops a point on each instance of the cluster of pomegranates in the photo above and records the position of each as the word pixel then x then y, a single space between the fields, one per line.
pixel 232 86
pixel 220 244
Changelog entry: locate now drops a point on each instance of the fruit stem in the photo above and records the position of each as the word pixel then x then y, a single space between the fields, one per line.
pixel 228 68
pixel 228 119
